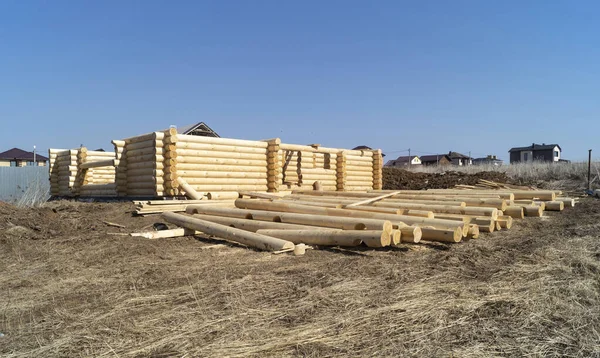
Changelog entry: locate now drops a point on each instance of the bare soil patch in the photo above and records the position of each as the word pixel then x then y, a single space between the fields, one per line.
pixel 69 289
pixel 395 178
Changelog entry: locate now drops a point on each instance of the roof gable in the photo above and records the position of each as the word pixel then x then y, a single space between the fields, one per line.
pixel 199 129
pixel 20 154
pixel 535 147
pixel 434 157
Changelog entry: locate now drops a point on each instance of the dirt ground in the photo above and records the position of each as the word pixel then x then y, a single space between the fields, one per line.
pixel 68 289
pixel 400 179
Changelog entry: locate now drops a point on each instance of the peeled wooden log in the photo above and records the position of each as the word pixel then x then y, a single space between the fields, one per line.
pixel 104 163
pixel 222 174
pixel 395 237
pixel 293 218
pixel 535 211
pixel 522 202
pixel 212 154
pixel 221 141
pixel 233 187
pixel 259 241
pixel 515 212
pixel 411 234
pixel 207 147
pixel 255 225
pixel 189 191
pixel 555 205
pixel 214 169
pixel 223 161
pixel 164 234
pixel 397 220
pixel 225 181
pixel 485 224
pixel 144 137
pixel 372 238
pixel 505 221
pixel 223 195
pixel 448 209
pixel 473 231
pixel 568 202
pixel 442 235
pixel 418 213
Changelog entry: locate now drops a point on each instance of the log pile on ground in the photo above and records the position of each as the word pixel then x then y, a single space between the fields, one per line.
pixel 376 218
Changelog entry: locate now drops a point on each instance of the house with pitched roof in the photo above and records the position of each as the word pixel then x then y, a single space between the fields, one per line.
pixel 20 158
pixel 536 152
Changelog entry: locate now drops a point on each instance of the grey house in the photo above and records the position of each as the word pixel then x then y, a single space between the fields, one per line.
pixel 536 152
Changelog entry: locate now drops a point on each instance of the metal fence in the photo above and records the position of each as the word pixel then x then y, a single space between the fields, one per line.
pixel 25 185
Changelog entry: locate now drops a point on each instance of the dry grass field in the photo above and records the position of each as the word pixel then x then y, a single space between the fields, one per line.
pixel 67 289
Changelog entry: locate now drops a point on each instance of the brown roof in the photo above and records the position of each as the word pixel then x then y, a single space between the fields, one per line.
pixel 20 154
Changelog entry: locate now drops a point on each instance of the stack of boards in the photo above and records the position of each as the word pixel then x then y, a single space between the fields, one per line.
pixel 375 218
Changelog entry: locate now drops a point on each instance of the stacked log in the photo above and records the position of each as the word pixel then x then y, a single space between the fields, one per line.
pixel 63 171
pixel 273 165
pixel 170 178
pixel 341 171
pixel 359 171
pixel 377 169
pixel 121 168
pixel 145 162
pixel 219 164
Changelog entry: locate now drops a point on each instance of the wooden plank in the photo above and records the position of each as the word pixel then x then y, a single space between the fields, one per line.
pixel 371 200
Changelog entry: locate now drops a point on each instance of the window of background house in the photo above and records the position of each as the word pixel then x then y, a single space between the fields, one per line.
pixel 13 163
pixel 525 157
pixel 556 154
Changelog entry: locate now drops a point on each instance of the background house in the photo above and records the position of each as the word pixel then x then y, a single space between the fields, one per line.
pixel 489 160
pixel 460 159
pixel 403 161
pixel 436 159
pixel 536 152
pixel 19 158
pixel 199 129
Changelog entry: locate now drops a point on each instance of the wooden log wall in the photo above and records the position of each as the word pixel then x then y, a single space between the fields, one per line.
pixel 63 171
pixel 210 164
pixel 154 165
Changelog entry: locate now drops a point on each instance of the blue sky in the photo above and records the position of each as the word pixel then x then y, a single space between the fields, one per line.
pixel 433 76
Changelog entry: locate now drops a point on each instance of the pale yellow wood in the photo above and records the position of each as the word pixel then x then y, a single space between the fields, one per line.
pixel 515 212
pixel 222 161
pixel 244 237
pixel 411 234
pixel 371 200
pixel 216 148
pixel 315 236
pixel 505 221
pixel 225 181
pixel 442 235
pixel 189 191
pixel 255 225
pixel 220 141
pixel 222 195
pixel 555 205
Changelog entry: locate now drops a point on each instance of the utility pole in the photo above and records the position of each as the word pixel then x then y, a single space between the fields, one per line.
pixel 589 169
pixel 469 160
pixel 409 159
pixel 34 162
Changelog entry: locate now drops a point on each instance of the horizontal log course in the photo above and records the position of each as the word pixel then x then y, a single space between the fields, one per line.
pixel 314 236
pixel 148 171
pixel 210 148
pixel 450 194
pixel 143 192
pixel 356 188
pixel 225 181
pixel 142 185
pixel 221 161
pixel 144 137
pixel 150 143
pixel 183 167
pixel 98 187
pixel 233 187
pixel 104 163
pixel 442 235
pixel 142 152
pixel 357 167
pixel 306 148
pixel 240 236
pixel 197 174
pixel 226 155
pixel 144 158
pixel 354 159
pixel 220 141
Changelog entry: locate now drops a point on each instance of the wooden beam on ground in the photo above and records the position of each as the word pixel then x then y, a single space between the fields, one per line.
pixel 371 200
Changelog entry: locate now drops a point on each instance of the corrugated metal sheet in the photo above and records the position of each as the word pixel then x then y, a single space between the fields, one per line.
pixel 17 183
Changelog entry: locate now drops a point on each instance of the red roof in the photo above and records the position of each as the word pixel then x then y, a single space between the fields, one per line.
pixel 20 154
